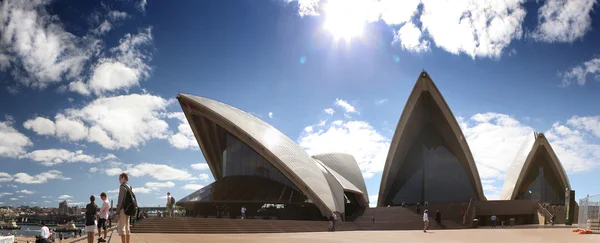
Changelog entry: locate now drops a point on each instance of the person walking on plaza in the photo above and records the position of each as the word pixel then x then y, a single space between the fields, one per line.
pixel 103 217
pixel 123 219
pixel 493 221
pixel 243 210
pixel 425 220
pixel 44 233
pixel 91 215
pixel 170 202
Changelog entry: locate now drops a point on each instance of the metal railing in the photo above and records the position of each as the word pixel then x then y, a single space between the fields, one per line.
pixel 589 213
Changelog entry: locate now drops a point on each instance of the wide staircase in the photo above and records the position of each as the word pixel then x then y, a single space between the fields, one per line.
pixel 230 226
pixel 401 218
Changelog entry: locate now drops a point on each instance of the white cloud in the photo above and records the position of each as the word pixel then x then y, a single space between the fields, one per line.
pixel 93 170
pixel 588 124
pixel 4 177
pixel 13 199
pixel 39 178
pixel 158 185
pixel 2 194
pixel 109 76
pixel 329 111
pixel 65 197
pixel 184 138
pixel 157 171
pixel 24 191
pixel 51 157
pixel 71 129
pixel 141 190
pixel 579 74
pixel 192 187
pixel 123 121
pixel 410 38
pixel 495 139
pixel 41 126
pixel 12 142
pixel 476 28
pixel 344 104
pixel 270 114
pixel 203 177
pixel 381 101
pixel 142 5
pixel 200 166
pixel 39 46
pixel 373 200
pixel 563 20
pixel 357 138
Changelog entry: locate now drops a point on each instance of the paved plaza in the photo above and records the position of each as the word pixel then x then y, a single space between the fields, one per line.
pixel 504 235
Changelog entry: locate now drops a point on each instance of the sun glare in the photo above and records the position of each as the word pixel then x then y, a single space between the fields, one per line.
pixel 345 18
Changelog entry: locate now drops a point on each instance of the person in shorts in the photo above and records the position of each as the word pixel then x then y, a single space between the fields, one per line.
pixel 91 215
pixel 103 217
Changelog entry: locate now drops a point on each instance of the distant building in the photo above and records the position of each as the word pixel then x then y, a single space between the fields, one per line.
pixel 63 207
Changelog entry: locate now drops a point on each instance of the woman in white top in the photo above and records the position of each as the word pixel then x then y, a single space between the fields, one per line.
pixel 425 220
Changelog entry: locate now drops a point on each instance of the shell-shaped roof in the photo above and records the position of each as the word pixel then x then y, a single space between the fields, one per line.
pixel 344 166
pixel 270 143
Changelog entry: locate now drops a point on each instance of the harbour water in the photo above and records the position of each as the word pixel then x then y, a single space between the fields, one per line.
pixel 26 230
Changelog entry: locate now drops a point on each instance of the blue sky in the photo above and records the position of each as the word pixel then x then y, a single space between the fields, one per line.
pixel 88 87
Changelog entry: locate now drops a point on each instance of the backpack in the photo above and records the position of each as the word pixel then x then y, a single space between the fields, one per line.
pixel 129 202
pixel 172 201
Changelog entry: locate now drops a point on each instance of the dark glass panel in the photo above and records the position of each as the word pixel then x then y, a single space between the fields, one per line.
pixel 430 172
pixel 541 182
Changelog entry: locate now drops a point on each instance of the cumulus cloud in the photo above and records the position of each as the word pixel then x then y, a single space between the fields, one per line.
pixel 41 51
pixel 410 38
pixel 270 114
pixel 157 171
pixel 123 71
pixel 12 142
pixel 156 186
pixel 563 20
pixel 24 191
pixel 4 177
pixel 475 28
pixel 141 190
pixel 41 126
pixel 373 200
pixel 65 197
pixel 49 157
pixel 2 194
pixel 579 74
pixel 200 166
pixel 192 187
pixel 496 138
pixel 124 121
pixel 329 111
pixel 357 138
pixel 184 138
pixel 39 178
pixel 345 105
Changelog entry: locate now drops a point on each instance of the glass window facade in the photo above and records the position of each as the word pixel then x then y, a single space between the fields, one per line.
pixel 430 172
pixel 541 181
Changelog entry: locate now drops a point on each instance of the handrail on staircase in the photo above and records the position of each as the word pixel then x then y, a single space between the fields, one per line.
pixel 467 211
pixel 544 210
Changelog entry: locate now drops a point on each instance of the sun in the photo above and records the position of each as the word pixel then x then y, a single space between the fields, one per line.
pixel 346 19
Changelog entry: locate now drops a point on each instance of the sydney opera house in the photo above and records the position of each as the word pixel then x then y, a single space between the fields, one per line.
pixel 429 160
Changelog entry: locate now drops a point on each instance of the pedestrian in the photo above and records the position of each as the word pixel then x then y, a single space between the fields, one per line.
pixel 418 208
pixel 243 210
pixel 123 219
pixel 493 221
pixel 438 216
pixel 170 202
pixel 425 220
pixel 44 233
pixel 91 215
pixel 103 217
